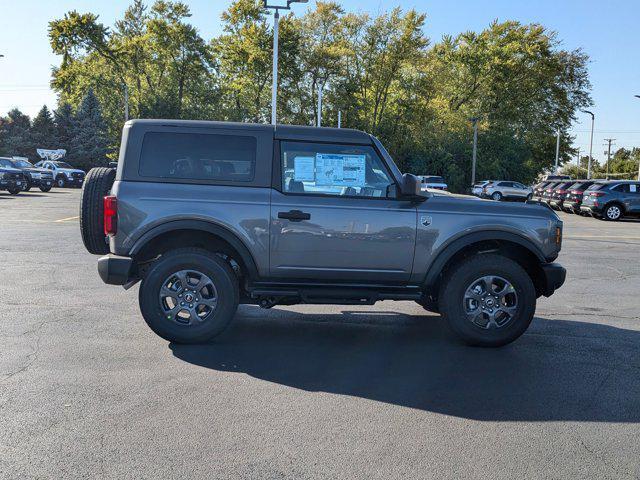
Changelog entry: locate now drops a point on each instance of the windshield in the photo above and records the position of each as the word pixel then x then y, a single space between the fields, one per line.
pixel 62 165
pixel 6 163
pixel 22 163
pixel 431 179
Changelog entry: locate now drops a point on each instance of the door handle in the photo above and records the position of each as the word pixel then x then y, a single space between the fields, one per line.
pixel 294 215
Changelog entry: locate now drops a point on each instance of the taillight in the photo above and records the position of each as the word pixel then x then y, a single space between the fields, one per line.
pixel 597 194
pixel 576 192
pixel 110 204
pixel 561 192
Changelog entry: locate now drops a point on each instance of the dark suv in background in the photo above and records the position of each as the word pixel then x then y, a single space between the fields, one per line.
pixel 573 198
pixel 33 176
pixel 558 194
pixel 612 200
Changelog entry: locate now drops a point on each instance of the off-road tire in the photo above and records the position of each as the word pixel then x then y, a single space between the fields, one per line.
pixel 460 277
pixel 14 191
pixel 199 260
pixel 45 189
pixel 27 186
pixel 97 184
pixel 61 181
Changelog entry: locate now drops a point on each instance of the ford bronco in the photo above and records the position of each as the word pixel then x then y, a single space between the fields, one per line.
pixel 208 215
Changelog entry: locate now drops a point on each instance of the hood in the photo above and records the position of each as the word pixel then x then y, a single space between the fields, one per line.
pixel 10 170
pixel 37 170
pixel 465 204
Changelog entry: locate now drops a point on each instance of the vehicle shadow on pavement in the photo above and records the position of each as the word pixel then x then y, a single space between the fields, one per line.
pixel 559 370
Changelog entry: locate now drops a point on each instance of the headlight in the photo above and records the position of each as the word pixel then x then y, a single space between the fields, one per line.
pixel 68 174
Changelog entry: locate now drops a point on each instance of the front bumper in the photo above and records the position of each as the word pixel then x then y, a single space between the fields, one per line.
pixel 554 276
pixel 591 209
pixel 41 182
pixel 11 184
pixel 116 270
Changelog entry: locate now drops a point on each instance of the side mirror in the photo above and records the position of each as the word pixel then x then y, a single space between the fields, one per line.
pixel 411 187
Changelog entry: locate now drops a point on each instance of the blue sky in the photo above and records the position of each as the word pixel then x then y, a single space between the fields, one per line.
pixel 606 31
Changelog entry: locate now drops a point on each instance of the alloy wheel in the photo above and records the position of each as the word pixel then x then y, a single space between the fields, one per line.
pixel 490 302
pixel 613 212
pixel 188 297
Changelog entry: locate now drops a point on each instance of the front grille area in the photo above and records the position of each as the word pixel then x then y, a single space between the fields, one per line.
pixel 77 175
pixel 15 176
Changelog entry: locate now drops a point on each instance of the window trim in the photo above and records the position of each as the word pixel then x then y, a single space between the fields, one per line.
pixel 277 179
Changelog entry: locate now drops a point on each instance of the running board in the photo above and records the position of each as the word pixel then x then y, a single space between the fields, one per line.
pixel 268 297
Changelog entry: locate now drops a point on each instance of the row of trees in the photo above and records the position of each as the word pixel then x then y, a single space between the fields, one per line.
pixel 82 132
pixel 623 165
pixel 381 72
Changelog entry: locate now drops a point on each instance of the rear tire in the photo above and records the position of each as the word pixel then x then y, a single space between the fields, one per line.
pixel 497 196
pixel 27 187
pixel 519 299
pixel 98 184
pixel 45 189
pixel 200 264
pixel 612 212
pixel 14 191
pixel 61 182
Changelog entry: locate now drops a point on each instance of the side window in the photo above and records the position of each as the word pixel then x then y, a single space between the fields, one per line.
pixel 198 156
pixel 506 184
pixel 622 188
pixel 519 185
pixel 349 170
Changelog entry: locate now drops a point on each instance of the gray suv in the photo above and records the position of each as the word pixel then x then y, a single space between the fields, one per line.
pixel 612 200
pixel 208 215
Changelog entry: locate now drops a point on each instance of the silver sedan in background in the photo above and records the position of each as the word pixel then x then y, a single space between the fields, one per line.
pixel 506 190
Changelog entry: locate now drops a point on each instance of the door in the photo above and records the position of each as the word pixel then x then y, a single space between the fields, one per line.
pixel 334 216
pixel 632 199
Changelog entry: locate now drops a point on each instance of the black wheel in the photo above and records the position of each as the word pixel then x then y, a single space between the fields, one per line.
pixel 27 186
pixel 61 181
pixel 98 184
pixel 14 191
pixel 44 189
pixel 189 295
pixel 612 212
pixel 488 300
pixel 497 196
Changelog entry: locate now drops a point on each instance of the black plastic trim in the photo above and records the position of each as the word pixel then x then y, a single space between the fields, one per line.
pixel 115 269
pixel 554 277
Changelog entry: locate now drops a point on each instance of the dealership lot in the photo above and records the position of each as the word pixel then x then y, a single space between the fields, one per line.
pixel 87 390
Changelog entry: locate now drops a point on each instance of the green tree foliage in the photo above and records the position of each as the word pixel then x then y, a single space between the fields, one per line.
pixel 381 72
pixel 64 126
pixel 15 137
pixel 43 130
pixel 89 142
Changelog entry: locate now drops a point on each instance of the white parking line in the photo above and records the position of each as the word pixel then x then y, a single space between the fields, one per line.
pixel 67 219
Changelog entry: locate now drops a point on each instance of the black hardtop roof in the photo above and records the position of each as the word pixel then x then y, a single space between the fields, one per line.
pixel 281 132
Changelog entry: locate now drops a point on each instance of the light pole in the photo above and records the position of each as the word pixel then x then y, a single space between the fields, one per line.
pixel 638 96
pixel 276 21
pixel 593 117
pixel 555 169
pixel 475 150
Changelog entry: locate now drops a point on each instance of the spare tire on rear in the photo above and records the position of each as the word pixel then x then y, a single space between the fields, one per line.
pixel 97 184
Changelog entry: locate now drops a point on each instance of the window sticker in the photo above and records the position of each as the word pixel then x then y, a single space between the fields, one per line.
pixel 304 169
pixel 340 170
pixel 633 187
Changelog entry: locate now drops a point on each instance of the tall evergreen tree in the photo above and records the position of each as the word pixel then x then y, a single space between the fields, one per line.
pixel 16 139
pixel 43 130
pixel 64 124
pixel 89 144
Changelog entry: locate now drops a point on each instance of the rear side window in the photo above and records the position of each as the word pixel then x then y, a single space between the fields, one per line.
pixel 198 156
pixel 596 186
pixel 623 188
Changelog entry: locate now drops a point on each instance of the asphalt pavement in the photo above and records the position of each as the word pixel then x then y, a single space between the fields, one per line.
pixel 379 392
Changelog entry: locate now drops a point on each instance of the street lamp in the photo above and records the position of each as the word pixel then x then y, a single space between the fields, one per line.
pixel 276 19
pixel 638 96
pixel 593 117
pixel 474 121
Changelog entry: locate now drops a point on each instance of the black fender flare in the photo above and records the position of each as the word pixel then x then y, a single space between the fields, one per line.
pixel 450 250
pixel 205 226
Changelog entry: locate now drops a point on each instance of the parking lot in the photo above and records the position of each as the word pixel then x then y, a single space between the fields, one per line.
pixel 87 390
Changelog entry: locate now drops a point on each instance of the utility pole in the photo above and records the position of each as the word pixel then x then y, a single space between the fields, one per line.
pixel 339 119
pixel 638 96
pixel 555 169
pixel 609 141
pixel 593 117
pixel 126 102
pixel 276 22
pixel 578 160
pixel 475 150
pixel 319 120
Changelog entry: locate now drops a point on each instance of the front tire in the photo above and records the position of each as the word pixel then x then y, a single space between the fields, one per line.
pixel 14 191
pixel 45 189
pixel 488 300
pixel 189 295
pixel 61 182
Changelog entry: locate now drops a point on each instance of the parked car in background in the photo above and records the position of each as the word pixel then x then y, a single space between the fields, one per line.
pixel 34 177
pixel 545 196
pixel 573 199
pixel 63 174
pixel 538 189
pixel 11 179
pixel 477 187
pixel 432 181
pixel 612 200
pixel 558 193
pixel 506 190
